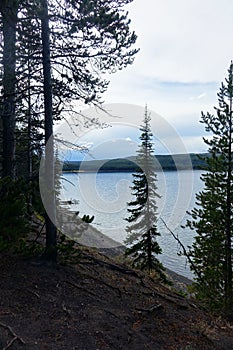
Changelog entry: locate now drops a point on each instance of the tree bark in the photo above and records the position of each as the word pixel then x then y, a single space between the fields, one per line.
pixel 51 232
pixel 9 11
pixel 228 243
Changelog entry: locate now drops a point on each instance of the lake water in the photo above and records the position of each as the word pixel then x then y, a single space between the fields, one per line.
pixel 105 195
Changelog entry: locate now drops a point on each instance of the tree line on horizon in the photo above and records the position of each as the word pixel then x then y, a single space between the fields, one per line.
pixel 129 164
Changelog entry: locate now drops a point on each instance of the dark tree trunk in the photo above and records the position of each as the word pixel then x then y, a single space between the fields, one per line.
pixel 9 11
pixel 228 244
pixel 51 234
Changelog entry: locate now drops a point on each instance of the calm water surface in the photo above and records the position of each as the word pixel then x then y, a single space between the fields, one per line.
pixel 105 195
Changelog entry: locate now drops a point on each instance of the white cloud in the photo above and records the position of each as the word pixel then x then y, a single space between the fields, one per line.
pixel 201 96
pixel 113 149
pixel 185 51
pixel 195 144
pixel 183 40
pixel 184 55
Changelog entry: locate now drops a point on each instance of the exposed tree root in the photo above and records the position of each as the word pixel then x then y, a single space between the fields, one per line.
pixel 150 309
pixel 15 336
pixel 82 288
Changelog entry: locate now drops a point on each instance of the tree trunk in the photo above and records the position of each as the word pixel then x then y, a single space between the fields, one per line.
pixel 1 145
pixel 228 244
pixel 9 11
pixel 51 234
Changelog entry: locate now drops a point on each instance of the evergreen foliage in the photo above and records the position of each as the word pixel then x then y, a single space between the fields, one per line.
pixel 13 208
pixel 20 200
pixel 142 228
pixel 94 38
pixel 86 39
pixel 212 218
pixel 8 16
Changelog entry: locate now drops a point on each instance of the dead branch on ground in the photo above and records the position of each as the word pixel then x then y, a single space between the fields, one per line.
pixel 15 336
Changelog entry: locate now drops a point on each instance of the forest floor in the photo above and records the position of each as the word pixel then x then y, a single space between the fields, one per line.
pixel 99 304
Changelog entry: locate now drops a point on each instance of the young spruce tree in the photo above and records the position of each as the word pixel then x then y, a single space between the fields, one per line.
pixel 142 228
pixel 212 218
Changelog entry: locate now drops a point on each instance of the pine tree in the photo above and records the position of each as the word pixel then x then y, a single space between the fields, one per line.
pixel 142 231
pixel 84 38
pixel 8 13
pixel 50 218
pixel 94 38
pixel 212 218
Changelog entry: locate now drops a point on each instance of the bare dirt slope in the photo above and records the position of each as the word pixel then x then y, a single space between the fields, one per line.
pixel 99 304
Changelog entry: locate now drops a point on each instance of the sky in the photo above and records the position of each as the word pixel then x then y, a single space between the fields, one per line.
pixel 185 51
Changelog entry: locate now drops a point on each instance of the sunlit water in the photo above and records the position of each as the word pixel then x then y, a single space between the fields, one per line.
pixel 105 195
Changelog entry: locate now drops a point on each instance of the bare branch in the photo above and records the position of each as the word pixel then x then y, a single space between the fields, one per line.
pixel 15 336
pixel 185 253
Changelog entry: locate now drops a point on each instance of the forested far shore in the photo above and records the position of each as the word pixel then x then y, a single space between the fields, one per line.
pixel 129 164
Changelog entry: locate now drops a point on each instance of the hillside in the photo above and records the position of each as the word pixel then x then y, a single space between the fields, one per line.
pixel 99 304
pixel 129 164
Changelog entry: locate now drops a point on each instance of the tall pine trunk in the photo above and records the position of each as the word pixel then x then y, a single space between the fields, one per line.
pixel 9 11
pixel 51 234
pixel 228 244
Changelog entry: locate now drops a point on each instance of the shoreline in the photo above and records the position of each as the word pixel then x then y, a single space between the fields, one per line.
pixel 179 281
pixel 105 245
pixel 125 171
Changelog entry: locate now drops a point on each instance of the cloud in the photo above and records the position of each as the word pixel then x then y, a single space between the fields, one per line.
pixel 201 95
pixel 180 40
pixel 195 144
pixel 184 55
pixel 113 149
pixel 198 97
pixel 122 138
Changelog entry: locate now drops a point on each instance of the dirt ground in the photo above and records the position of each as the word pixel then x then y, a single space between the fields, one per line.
pixel 99 304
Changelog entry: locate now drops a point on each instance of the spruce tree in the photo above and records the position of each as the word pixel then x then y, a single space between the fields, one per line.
pixel 212 218
pixel 142 229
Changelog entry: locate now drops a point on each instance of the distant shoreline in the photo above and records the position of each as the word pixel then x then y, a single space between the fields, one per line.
pixel 118 171
pixel 174 162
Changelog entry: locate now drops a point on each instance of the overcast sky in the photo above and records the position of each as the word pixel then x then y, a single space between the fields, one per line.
pixel 185 50
pixel 186 47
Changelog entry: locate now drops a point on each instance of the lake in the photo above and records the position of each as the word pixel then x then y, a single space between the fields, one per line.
pixel 105 195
